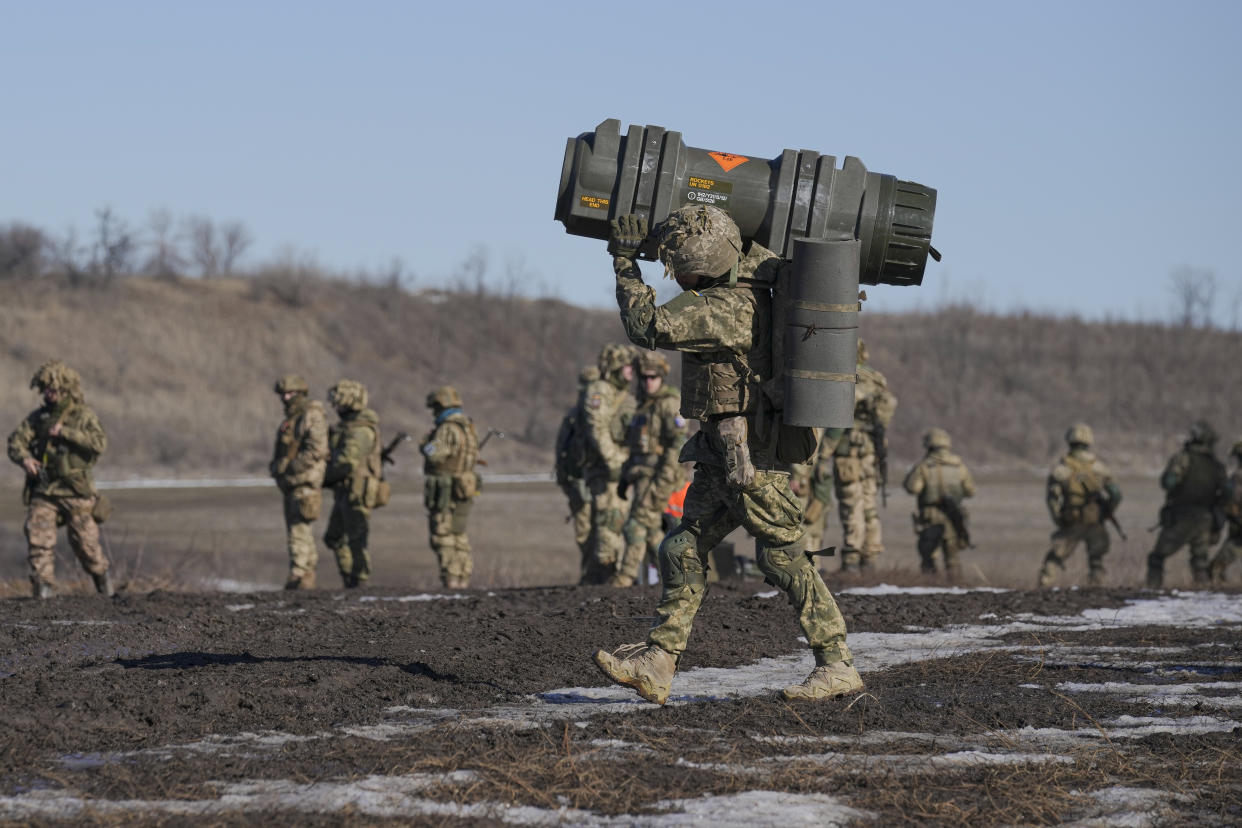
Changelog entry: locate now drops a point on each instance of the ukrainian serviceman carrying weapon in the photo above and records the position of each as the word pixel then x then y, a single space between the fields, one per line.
pixel 450 453
pixel 298 464
pixel 940 482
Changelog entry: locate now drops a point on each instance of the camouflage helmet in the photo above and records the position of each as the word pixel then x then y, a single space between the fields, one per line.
pixel 348 395
pixel 651 362
pixel 56 374
pixel 698 239
pixel 292 382
pixel 587 375
pixel 445 396
pixel 613 357
pixel 1202 432
pixel 937 438
pixel 1079 434
pixel 863 353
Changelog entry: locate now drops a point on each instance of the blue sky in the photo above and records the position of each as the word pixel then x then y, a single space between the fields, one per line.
pixel 1082 151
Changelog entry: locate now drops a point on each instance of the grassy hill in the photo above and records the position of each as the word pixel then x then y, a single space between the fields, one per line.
pixel 181 371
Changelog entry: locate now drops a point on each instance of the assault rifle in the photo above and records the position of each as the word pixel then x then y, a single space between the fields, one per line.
pixel 953 511
pixel 1106 514
pixel 386 454
pixel 878 433
pixel 491 432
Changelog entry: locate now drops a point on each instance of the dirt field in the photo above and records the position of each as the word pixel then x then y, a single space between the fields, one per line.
pixel 398 705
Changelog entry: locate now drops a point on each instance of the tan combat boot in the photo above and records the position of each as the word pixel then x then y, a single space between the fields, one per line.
pixel 826 682
pixel 645 667
pixel 620 579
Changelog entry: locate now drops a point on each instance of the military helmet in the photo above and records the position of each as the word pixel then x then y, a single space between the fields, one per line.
pixel 56 374
pixel 652 362
pixel 445 396
pixel 292 382
pixel 1079 434
pixel 698 239
pixel 1202 432
pixel 937 438
pixel 863 353
pixel 348 395
pixel 587 375
pixel 613 357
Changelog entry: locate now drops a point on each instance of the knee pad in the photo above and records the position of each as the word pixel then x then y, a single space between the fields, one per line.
pixel 782 564
pixel 679 561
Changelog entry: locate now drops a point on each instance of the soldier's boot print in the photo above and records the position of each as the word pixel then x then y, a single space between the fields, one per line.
pixel 645 667
pixel 41 589
pixel 826 682
pixel 103 583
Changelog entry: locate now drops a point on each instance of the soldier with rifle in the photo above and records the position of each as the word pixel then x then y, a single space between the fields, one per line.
pixel 1081 494
pixel 450 453
pixel 298 464
pixel 941 482
pixel 1194 485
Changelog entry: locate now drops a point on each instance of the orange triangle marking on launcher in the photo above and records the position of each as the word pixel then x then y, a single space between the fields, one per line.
pixel 728 160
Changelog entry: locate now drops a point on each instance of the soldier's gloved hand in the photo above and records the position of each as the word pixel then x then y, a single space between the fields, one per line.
pixel 628 234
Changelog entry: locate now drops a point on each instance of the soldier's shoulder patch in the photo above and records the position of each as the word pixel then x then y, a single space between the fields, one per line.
pixel 595 401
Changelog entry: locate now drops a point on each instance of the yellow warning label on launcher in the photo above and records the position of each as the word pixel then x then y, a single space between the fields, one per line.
pixel 594 202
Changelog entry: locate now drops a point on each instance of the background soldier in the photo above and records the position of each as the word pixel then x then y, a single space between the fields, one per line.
pixel 570 460
pixel 1232 511
pixel 941 482
pixel 722 323
pixel 1081 495
pixel 860 467
pixel 57 446
pixel 1194 485
pixel 813 484
pixel 354 475
pixel 451 450
pixel 608 407
pixel 298 464
pixel 652 472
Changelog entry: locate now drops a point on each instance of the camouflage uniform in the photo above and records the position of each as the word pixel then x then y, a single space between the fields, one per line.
pixel 1194 484
pixel 1232 510
pixel 63 489
pixel 608 407
pixel 298 463
pixel 569 471
pixel 856 474
pixel 1080 494
pixel 813 484
pixel 723 327
pixel 939 480
pixel 451 451
pixel 652 472
pixel 354 474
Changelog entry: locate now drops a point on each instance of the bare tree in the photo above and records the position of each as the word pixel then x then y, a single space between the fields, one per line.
pixel 22 251
pixel 68 256
pixel 1194 290
pixel 165 259
pixel 113 250
pixel 235 239
pixel 205 247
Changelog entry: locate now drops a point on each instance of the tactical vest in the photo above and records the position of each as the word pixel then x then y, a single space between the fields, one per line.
pixel 289 435
pixel 373 466
pixel 1201 485
pixel 463 460
pixel 646 431
pixel 723 382
pixel 68 466
pixel 1082 491
pixel 943 480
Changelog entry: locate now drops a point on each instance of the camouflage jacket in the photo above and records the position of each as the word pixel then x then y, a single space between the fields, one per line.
pixel 873 403
pixel 452 447
pixel 1194 479
pixel 68 457
pixel 606 413
pixel 655 437
pixel 301 454
pixel 724 334
pixel 354 451
pixel 1077 486
pixel 939 476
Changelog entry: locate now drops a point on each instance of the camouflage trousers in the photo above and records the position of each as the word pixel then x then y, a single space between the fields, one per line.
pixel 42 516
pixel 449 540
pixel 348 529
pixel 1064 540
pixel 580 518
pixel 644 529
pixel 936 534
pixel 301 510
pixel 1188 527
pixel 773 515
pixel 860 522
pixel 607 544
pixel 814 521
pixel 1229 552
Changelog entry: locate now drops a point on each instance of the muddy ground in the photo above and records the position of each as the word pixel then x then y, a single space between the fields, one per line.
pixel 481 707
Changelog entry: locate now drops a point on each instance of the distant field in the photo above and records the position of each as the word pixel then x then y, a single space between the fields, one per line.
pixel 233 538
